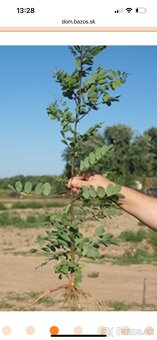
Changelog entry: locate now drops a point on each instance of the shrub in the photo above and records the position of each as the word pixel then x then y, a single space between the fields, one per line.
pixel 130 236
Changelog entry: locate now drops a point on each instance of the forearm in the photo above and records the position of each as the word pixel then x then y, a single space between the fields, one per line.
pixel 135 203
pixel 140 206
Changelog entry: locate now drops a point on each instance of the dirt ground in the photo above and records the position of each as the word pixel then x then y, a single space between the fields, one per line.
pixel 111 287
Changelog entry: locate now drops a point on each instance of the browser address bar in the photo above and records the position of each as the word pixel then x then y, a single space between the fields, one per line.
pixel 87 13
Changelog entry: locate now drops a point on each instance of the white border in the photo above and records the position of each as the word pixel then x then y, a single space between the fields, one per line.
pixel 80 38
pixel 114 322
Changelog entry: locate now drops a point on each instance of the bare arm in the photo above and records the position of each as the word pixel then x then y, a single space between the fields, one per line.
pixel 135 203
pixel 140 206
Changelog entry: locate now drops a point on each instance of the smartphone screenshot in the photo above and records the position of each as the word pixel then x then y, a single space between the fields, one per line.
pixel 78 169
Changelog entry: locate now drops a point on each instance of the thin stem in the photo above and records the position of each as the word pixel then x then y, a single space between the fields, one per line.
pixel 78 110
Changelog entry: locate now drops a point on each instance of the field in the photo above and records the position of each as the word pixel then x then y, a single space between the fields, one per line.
pixel 114 283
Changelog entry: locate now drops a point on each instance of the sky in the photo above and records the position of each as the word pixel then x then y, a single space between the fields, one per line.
pixel 30 142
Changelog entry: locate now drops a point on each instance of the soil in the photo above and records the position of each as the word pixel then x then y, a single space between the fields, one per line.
pixel 111 287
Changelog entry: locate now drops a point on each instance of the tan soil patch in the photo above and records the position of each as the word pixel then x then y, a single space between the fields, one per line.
pixel 114 283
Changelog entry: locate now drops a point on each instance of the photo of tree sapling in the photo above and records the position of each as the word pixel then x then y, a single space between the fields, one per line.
pixel 78 178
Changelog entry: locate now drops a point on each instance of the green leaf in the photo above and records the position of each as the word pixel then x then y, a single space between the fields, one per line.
pixel 82 166
pixel 51 234
pixel 115 84
pixel 112 190
pixel 66 128
pixel 41 239
pixel 102 81
pixel 64 141
pixel 67 209
pixel 47 189
pixel 98 154
pixel 112 211
pixel 11 187
pixel 86 193
pixel 105 149
pixel 63 243
pixel 107 239
pixel 78 62
pixel 115 74
pixel 65 237
pixel 99 231
pixel 115 241
pixel 64 269
pixel 110 77
pixel 108 103
pixel 18 186
pixel 92 158
pixel 28 187
pixel 100 192
pixel 117 189
pixel 47 250
pixel 32 251
pixel 39 188
pixel 92 192
pixel 92 253
pixel 105 98
pixel 86 163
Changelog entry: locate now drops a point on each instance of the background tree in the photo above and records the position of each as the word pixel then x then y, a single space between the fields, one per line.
pixel 140 156
pixel 152 133
pixel 120 137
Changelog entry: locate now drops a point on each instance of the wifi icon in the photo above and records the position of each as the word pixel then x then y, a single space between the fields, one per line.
pixel 128 9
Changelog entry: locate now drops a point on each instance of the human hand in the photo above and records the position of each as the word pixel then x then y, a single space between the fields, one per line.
pixel 80 181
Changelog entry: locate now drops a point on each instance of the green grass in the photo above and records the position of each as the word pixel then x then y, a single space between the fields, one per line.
pixel 16 297
pixel 4 192
pixel 14 219
pixel 152 238
pixel 123 306
pixel 138 256
pixel 140 235
pixel 2 206
pixel 5 306
pixel 130 236
pixel 119 306
pixel 38 204
pixel 56 204
pixel 27 205
pixel 20 253
pixel 47 300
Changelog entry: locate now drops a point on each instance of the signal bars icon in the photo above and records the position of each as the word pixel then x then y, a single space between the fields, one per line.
pixel 119 10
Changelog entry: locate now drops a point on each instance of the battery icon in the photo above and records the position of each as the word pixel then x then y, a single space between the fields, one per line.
pixel 141 10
